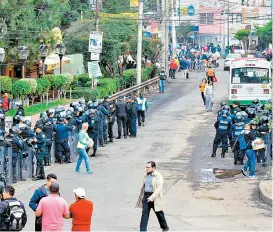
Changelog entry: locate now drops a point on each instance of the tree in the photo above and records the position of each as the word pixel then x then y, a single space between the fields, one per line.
pixel 33 86
pixel 5 85
pixel 242 35
pixel 265 34
pixel 183 30
pixel 43 86
pixel 116 6
pixel 21 89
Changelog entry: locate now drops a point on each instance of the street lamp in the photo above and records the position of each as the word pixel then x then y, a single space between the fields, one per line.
pixel 43 51
pixel 60 48
pixel 23 55
pixel 2 57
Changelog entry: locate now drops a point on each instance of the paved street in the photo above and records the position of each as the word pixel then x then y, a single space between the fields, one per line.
pixel 178 137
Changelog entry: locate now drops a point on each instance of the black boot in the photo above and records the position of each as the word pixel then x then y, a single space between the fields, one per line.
pixel 118 137
pixel 67 160
pixel 213 155
pixel 258 159
pixel 111 140
pixel 222 155
pixel 37 174
pixel 42 173
pixel 94 153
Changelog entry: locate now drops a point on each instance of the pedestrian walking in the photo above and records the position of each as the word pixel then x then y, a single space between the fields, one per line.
pixel 81 211
pixel 245 141
pixel 162 80
pixel 84 141
pixel 53 210
pixel 121 112
pixel 12 211
pixel 209 95
pixel 210 74
pixel 173 67
pixel 142 108
pixel 184 67
pixel 202 87
pixel 40 193
pixel 151 197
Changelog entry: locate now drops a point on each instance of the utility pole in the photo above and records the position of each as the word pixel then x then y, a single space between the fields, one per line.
pixel 139 41
pixel 228 24
pixel 163 34
pixel 166 45
pixel 97 15
pixel 173 29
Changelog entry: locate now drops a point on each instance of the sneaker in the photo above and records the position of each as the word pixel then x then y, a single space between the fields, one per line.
pixel 77 171
pixel 90 172
pixel 243 172
pixel 254 177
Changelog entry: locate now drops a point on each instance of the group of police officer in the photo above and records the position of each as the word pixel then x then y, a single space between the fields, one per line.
pixel 231 122
pixel 59 124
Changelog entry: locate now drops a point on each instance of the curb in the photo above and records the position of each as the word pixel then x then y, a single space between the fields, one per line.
pixel 265 194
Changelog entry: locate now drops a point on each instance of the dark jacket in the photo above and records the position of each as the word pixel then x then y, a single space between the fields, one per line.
pixel 37 196
pixel 61 130
pixel 249 137
pixel 121 107
pixel 4 213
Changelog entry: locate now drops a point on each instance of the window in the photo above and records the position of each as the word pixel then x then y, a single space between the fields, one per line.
pixel 235 18
pixel 209 18
pixel 250 76
pixel 203 18
pixel 206 18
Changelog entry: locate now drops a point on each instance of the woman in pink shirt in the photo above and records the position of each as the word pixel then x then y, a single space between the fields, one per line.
pixel 54 209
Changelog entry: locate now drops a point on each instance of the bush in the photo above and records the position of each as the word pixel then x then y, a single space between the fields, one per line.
pixel 56 81
pixel 21 89
pixel 129 78
pixel 87 94
pixel 6 84
pixel 43 85
pixel 74 83
pixel 32 84
pixel 83 78
pixel 107 86
pixel 68 77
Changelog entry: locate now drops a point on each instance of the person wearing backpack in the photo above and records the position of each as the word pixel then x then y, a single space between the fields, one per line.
pixel 12 211
pixel 245 141
pixel 142 108
pixel 40 193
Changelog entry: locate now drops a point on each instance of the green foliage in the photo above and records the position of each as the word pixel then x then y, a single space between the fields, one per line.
pixel 184 29
pixel 68 79
pixel 56 81
pixel 116 6
pixel 32 84
pixel 43 85
pixel 107 86
pixel 21 89
pixel 74 82
pixel 242 34
pixel 6 84
pixel 265 33
pixel 39 108
pixel 84 78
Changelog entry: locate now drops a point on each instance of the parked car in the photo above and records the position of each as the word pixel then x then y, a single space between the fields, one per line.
pixel 229 59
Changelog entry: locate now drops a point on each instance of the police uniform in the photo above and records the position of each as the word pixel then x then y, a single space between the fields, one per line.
pixel 102 115
pixel 47 128
pixel 93 128
pixel 40 148
pixel 237 128
pixel 112 116
pixel 134 119
pixel 61 139
pixel 129 118
pixel 223 130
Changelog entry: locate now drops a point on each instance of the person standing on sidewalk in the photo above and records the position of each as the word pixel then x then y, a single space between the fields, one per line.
pixel 40 193
pixel 121 112
pixel 81 211
pixel 53 210
pixel 151 197
pixel 173 67
pixel 142 108
pixel 209 95
pixel 84 141
pixel 202 87
pixel 162 79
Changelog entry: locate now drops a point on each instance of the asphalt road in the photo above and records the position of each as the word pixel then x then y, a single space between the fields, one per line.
pixel 178 136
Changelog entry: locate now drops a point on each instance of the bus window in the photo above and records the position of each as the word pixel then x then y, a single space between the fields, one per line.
pixel 250 75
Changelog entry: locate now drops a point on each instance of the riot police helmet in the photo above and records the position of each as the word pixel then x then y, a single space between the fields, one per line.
pixel 18 104
pixel 60 119
pixel 250 112
pixel 95 104
pixel 223 104
pixel 90 106
pixel 50 112
pixel 256 101
pixel 28 123
pixel 14 130
pixel 225 113
pixel 264 119
pixel 92 112
pixel 82 102
pixel 69 114
pixel 238 117
pixel 253 123
pixel 226 107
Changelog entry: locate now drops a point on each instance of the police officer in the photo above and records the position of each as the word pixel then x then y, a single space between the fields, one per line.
pixel 20 112
pixel 237 128
pixel 78 115
pixel 104 124
pixel 93 128
pixel 129 115
pixel 47 127
pixel 112 116
pixel 235 108
pixel 134 119
pixel 40 150
pixel 17 144
pixel 121 112
pixel 2 115
pixel 223 128
pixel 61 139
pixel 50 114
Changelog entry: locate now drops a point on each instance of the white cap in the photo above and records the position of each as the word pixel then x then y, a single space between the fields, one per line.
pixel 80 192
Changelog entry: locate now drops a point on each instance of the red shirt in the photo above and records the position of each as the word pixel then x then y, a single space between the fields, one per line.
pixel 81 212
pixel 6 103
pixel 173 65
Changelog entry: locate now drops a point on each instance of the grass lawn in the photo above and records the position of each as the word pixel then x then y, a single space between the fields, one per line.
pixel 39 108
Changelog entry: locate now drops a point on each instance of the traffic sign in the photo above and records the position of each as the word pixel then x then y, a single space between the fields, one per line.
pixel 191 10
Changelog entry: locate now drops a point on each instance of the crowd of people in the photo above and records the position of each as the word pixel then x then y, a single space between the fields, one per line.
pixel 91 122
pixel 249 134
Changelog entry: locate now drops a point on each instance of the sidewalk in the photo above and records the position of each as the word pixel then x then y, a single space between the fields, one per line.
pixel 266 191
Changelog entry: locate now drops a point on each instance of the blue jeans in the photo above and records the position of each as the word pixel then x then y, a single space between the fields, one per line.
pixel 134 126
pixel 161 85
pixel 209 103
pixel 83 156
pixel 251 162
